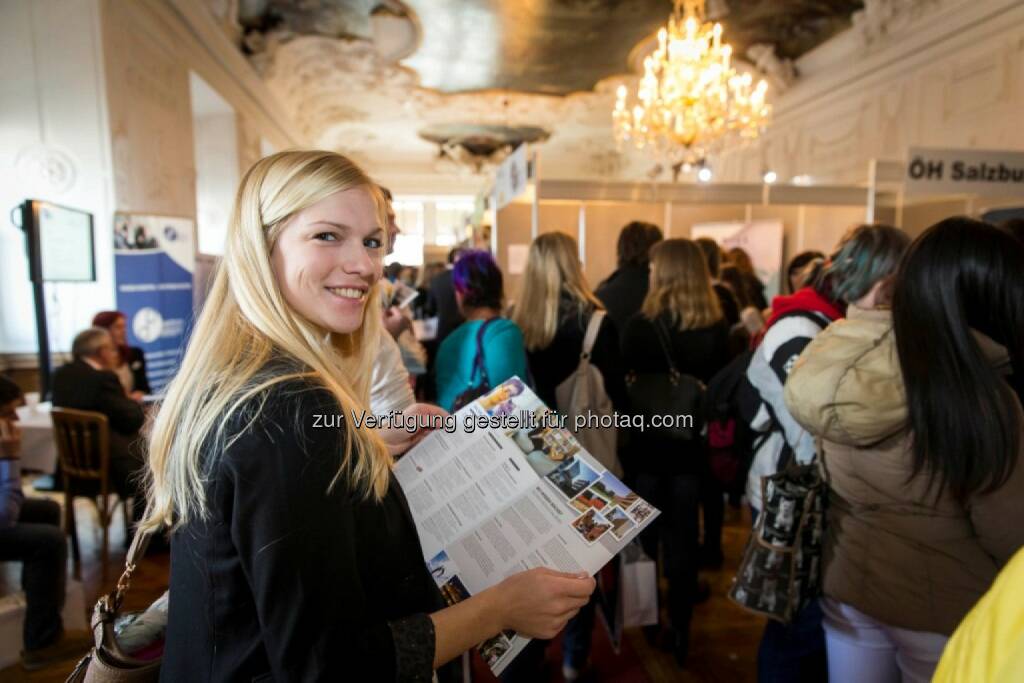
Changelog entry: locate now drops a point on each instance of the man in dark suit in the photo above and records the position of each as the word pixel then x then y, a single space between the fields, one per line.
pixel 441 297
pixel 88 383
pixel 440 302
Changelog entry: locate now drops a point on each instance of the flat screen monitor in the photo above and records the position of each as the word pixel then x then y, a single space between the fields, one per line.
pixel 62 241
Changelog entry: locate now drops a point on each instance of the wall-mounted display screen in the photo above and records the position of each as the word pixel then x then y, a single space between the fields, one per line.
pixel 65 243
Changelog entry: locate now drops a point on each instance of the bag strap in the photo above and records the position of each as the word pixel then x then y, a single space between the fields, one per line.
pixel 662 341
pixel 109 606
pixel 112 600
pixel 479 359
pixel 593 327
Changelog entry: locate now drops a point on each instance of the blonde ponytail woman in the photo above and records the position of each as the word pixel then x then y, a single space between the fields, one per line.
pixel 293 555
pixel 553 312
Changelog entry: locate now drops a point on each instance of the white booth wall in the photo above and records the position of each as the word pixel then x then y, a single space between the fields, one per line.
pixel 805 227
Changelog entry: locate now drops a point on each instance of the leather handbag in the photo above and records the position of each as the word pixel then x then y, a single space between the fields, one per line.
pixel 673 394
pixel 106 662
pixel 475 391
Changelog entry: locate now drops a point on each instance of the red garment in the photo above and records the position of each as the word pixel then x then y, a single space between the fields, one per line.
pixel 806 299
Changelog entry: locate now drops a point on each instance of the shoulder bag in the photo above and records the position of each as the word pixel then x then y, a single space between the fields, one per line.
pixel 106 662
pixel 672 394
pixel 475 391
pixel 781 568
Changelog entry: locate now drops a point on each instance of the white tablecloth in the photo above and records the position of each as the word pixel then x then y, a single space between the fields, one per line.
pixel 38 449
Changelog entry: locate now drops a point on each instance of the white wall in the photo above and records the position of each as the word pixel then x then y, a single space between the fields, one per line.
pixel 216 152
pixel 940 73
pixel 216 135
pixel 95 114
pixel 54 145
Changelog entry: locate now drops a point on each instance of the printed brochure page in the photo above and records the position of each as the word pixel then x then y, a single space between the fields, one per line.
pixel 508 488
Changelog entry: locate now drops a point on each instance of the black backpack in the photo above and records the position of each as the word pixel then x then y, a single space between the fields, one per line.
pixel 731 404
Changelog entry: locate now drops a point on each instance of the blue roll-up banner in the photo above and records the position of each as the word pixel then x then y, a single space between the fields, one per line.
pixel 154 259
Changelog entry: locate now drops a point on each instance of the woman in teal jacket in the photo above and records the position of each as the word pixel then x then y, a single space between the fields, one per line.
pixel 479 293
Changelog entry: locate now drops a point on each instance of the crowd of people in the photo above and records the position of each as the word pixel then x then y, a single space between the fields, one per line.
pixel 897 364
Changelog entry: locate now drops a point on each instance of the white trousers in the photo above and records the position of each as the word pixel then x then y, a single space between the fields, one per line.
pixel 865 650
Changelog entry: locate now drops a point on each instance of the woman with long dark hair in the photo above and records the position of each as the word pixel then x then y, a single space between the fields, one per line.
pixel 922 438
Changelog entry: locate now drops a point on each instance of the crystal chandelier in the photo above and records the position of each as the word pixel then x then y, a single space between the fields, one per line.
pixel 690 103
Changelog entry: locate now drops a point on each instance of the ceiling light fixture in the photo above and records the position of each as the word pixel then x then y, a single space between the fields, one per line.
pixel 770 177
pixel 704 175
pixel 690 102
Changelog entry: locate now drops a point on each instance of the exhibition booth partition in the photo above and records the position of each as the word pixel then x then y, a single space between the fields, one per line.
pixel 772 222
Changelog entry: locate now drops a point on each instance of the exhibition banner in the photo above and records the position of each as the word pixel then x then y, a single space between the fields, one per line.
pixel 985 173
pixel 762 240
pixel 154 260
pixel 511 178
pixel 503 486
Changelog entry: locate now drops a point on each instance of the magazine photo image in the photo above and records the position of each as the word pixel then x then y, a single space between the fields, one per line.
pixel 591 525
pixel 620 521
pixel 572 476
pixel 610 488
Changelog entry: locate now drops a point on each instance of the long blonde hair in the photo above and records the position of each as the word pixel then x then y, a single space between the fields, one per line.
pixel 552 267
pixel 245 323
pixel 681 286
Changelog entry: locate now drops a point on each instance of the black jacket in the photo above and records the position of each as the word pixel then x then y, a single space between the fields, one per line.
pixel 623 293
pixel 288 581
pixel 700 352
pixel 727 300
pixel 553 364
pixel 136 360
pixel 80 386
pixel 441 299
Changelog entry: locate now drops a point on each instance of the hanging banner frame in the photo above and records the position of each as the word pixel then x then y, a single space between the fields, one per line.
pixel 154 269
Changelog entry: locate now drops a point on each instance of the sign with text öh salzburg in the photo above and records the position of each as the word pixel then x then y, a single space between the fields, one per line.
pixel 986 173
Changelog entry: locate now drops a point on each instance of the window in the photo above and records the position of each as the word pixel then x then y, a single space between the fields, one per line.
pixel 429 222
pixel 452 220
pixel 409 243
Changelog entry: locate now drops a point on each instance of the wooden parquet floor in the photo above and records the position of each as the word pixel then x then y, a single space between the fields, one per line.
pixel 723 646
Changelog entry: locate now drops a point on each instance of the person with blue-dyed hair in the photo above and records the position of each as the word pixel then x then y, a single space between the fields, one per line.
pixel 479 293
pixel 857 275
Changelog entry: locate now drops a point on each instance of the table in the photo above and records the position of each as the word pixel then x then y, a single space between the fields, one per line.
pixel 38 449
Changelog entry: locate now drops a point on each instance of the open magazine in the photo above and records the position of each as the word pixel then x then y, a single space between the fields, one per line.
pixel 509 490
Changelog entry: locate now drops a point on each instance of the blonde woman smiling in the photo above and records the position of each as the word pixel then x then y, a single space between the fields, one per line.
pixel 293 554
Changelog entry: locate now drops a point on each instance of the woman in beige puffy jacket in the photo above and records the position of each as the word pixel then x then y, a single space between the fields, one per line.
pixel 921 429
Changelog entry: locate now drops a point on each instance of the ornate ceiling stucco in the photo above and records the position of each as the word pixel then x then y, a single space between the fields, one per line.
pixel 544 47
pixel 364 76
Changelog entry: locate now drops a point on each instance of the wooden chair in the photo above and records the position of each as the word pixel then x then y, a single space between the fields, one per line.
pixel 83 448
